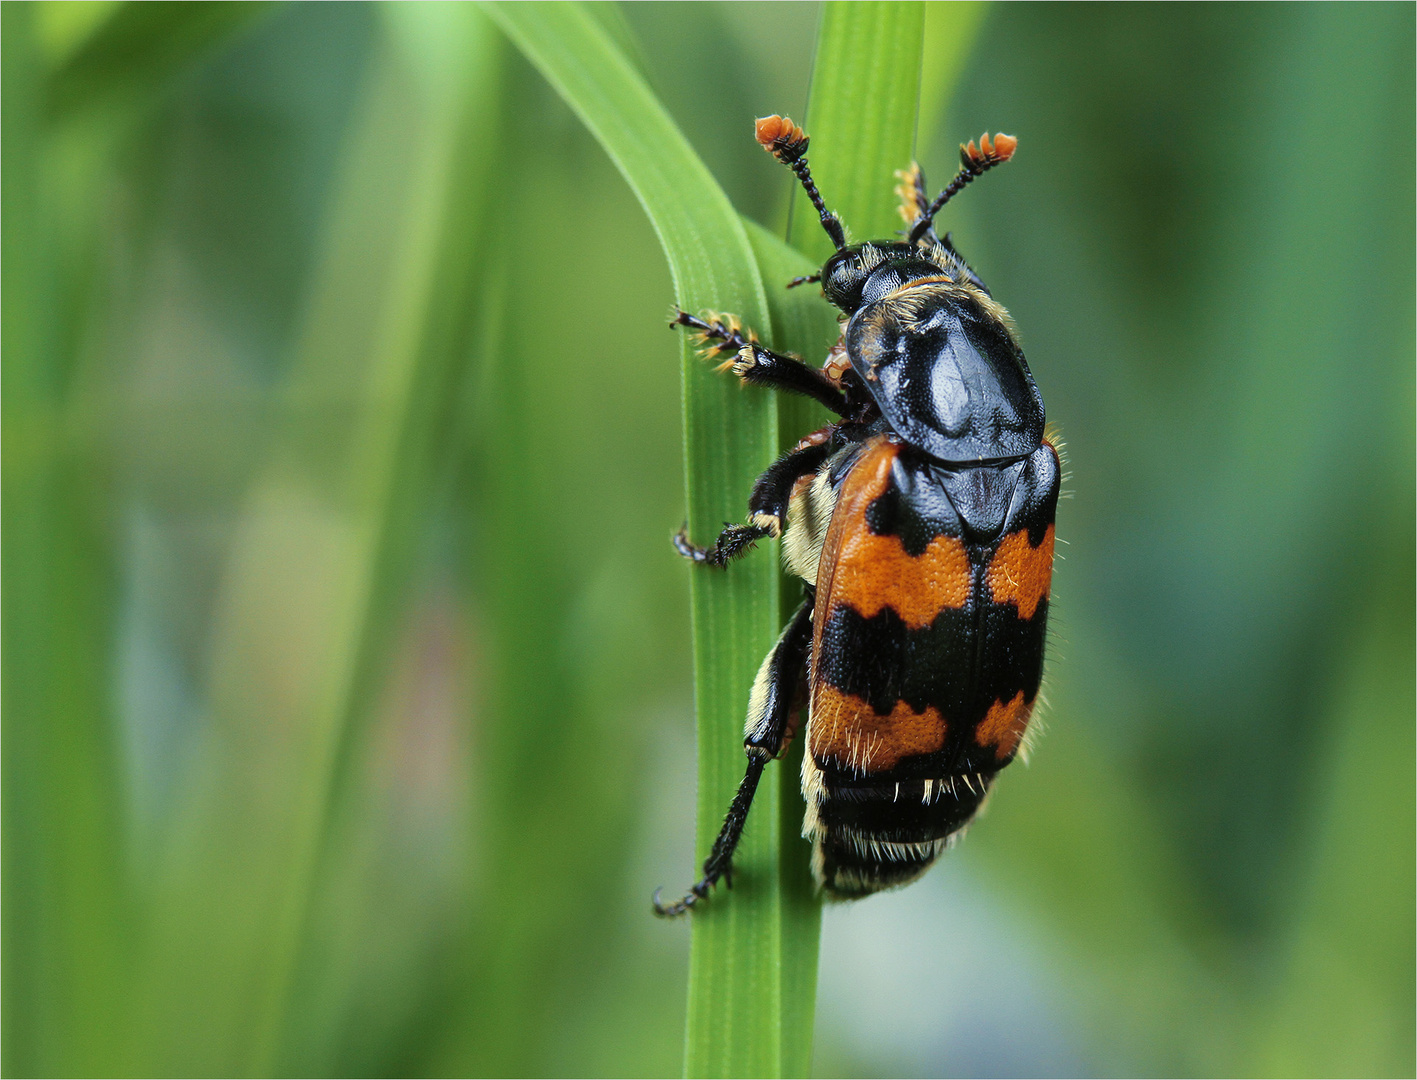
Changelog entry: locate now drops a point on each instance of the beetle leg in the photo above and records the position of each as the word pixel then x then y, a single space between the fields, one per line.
pixel 763 367
pixel 768 728
pixel 720 861
pixel 721 333
pixel 769 725
pixel 732 542
pixel 767 505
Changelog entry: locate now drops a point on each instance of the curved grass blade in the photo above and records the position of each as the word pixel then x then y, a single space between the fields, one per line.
pixel 805 324
pixel 736 986
pixel 745 1019
pixel 316 561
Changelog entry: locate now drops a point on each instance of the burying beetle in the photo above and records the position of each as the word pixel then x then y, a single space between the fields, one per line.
pixel 922 524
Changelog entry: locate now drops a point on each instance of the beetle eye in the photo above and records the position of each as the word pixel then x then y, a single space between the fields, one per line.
pixel 842 280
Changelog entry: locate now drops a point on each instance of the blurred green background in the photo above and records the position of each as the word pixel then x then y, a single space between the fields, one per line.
pixel 347 705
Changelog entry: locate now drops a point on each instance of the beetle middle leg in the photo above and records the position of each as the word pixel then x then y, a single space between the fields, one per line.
pixel 763 367
pixel 767 505
pixel 766 733
pixel 732 542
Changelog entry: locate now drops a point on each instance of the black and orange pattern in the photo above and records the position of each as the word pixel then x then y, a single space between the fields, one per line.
pixel 929 628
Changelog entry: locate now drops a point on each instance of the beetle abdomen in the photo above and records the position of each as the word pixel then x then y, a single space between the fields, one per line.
pixel 927 654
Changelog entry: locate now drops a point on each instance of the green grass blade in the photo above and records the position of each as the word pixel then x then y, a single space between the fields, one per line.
pixel 748 947
pixel 313 562
pixel 805 324
pixel 63 929
pixel 138 48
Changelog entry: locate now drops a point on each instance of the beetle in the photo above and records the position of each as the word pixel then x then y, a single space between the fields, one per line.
pixel 922 524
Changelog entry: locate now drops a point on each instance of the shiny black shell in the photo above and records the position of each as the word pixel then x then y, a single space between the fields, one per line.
pixel 947 375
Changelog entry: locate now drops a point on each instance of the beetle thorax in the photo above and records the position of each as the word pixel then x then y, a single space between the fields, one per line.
pixel 945 369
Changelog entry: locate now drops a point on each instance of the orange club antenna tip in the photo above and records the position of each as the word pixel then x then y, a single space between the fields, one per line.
pixel 780 137
pixel 1001 148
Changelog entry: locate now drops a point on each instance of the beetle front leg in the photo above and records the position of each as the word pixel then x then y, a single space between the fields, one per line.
pixel 721 334
pixel 760 366
pixel 766 733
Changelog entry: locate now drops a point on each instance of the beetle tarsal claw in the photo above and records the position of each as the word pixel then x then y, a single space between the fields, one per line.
pixel 674 910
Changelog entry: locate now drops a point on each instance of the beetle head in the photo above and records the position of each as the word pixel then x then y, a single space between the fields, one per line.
pixel 864 273
pixel 860 274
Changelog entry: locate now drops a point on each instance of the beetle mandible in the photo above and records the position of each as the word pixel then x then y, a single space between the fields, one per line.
pixel 922 525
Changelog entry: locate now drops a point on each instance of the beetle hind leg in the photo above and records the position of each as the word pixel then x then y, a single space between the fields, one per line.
pixel 719 864
pixel 766 732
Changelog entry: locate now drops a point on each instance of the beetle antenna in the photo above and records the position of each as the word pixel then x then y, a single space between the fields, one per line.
pixel 787 142
pixel 974 161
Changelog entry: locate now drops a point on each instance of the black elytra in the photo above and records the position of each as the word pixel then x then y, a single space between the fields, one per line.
pixel 922 523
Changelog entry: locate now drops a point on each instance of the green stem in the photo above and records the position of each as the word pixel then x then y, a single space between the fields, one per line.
pixel 741 984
